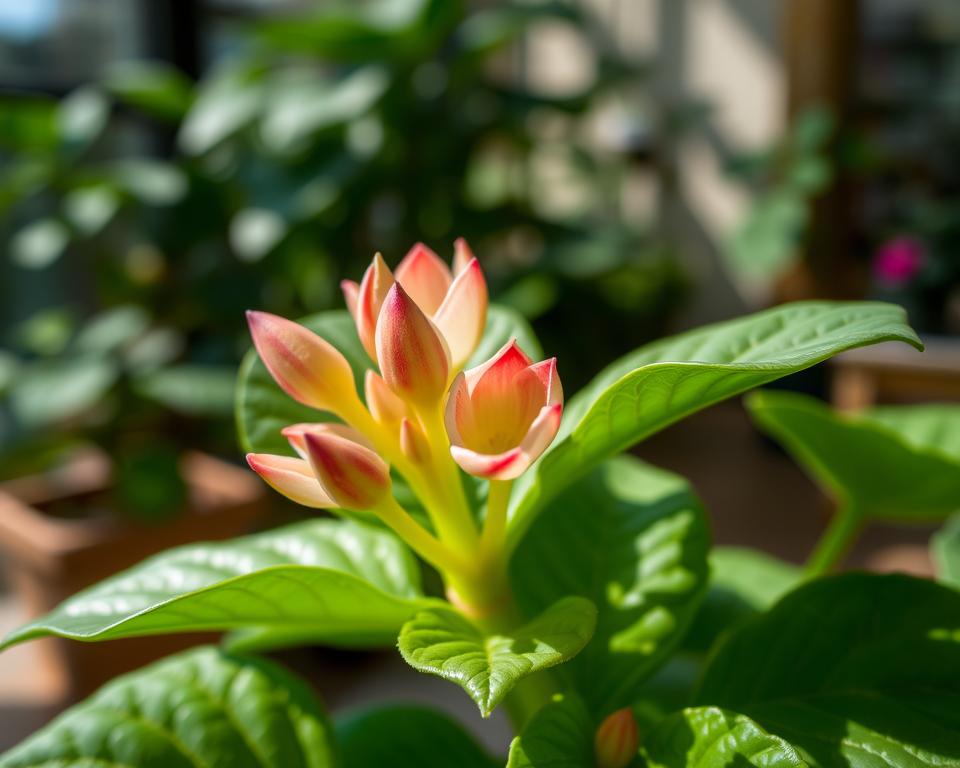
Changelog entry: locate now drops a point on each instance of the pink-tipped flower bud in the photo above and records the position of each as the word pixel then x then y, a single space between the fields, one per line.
pixel 503 414
pixel 351 296
pixel 411 352
pixel 413 442
pixel 617 740
pixel 462 317
pixel 351 474
pixel 296 435
pixel 385 407
pixel 424 277
pixel 462 255
pixel 374 287
pixel 308 368
pixel 292 478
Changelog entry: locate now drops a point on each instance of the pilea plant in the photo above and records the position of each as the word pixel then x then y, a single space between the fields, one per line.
pixel 576 580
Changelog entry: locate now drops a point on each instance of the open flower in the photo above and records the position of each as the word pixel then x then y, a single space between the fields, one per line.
pixel 503 414
pixel 456 302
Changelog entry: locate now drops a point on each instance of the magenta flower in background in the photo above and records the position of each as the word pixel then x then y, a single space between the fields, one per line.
pixel 898 261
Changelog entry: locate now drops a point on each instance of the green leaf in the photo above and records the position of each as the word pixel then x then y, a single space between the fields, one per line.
pixel 560 735
pixel 708 737
pixel 442 642
pixel 662 382
pixel 896 465
pixel 341 582
pixel 203 390
pixel 82 117
pixel 152 86
pixel 407 737
pixel 743 582
pixel 197 709
pixel 263 409
pixel 946 552
pixel 39 244
pixel 632 539
pixel 49 391
pixel 857 671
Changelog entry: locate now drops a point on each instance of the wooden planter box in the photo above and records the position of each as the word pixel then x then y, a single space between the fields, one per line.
pixel 49 559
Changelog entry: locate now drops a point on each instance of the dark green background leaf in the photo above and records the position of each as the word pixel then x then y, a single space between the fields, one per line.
pixel 632 539
pixel 407 737
pixel 560 735
pixel 856 671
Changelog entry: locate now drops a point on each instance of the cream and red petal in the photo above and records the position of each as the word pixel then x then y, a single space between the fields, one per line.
pixel 546 371
pixel 353 476
pixel 291 477
pixel 502 466
pixel 424 277
pixel 376 283
pixel 351 293
pixel 542 431
pixel 499 370
pixel 462 316
pixel 296 434
pixel 462 255
pixel 412 354
pixel 307 367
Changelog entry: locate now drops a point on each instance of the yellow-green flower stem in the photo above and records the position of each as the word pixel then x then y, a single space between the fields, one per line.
pixel 495 525
pixel 420 540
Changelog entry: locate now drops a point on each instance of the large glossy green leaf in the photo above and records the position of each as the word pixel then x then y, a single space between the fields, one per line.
pixel 662 382
pixel 856 671
pixel 340 582
pixel 444 643
pixel 263 409
pixel 898 464
pixel 743 582
pixel 708 737
pixel 632 539
pixel 560 735
pixel 407 737
pixel 199 709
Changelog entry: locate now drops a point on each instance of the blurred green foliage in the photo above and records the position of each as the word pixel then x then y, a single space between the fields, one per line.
pixel 142 214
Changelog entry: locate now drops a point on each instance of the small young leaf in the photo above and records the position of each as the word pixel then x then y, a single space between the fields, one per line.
pixel 900 464
pixel 407 737
pixel 333 581
pixel 197 709
pixel 560 735
pixel 708 737
pixel 662 382
pixel 946 552
pixel 444 643
pixel 632 539
pixel 848 669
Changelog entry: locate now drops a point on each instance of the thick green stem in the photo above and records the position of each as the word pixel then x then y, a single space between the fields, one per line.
pixel 835 541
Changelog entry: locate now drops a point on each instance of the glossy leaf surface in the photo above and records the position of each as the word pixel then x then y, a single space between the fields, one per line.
pixel 662 382
pixel 444 643
pixel 198 709
pixel 857 671
pixel 341 582
pixel 560 735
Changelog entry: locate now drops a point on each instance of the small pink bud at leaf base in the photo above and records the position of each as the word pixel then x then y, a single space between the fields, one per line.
pixel 617 740
pixel 352 475
pixel 374 287
pixel 462 255
pixel 309 369
pixel 291 477
pixel 384 406
pixel 413 443
pixel 351 293
pixel 296 435
pixel 502 415
pixel 462 317
pixel 424 277
pixel 412 354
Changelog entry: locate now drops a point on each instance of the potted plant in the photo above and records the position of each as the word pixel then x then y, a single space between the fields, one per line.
pixel 578 592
